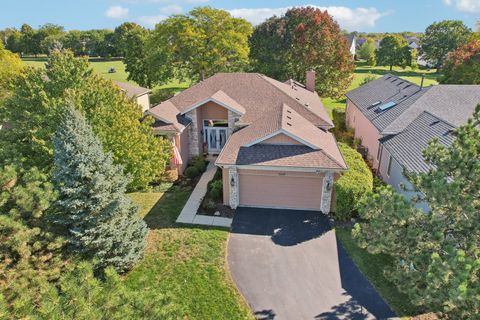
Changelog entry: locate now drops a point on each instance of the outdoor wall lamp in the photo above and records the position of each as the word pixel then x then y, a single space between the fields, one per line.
pixel 232 182
pixel 329 186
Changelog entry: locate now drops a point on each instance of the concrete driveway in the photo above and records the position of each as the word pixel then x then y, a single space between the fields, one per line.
pixel 289 265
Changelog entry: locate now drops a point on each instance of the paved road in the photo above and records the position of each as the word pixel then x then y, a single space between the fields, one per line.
pixel 289 265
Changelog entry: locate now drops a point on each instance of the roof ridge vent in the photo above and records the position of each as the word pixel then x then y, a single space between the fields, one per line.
pixel 289 111
pixel 288 117
pixel 288 123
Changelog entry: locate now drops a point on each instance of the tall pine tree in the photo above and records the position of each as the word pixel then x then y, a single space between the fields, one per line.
pixel 102 222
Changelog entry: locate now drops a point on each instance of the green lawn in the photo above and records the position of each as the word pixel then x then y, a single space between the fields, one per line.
pixel 187 263
pixel 372 267
pixel 101 67
pixel 362 71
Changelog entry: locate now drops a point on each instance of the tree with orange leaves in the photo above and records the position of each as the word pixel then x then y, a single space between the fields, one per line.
pixel 463 65
pixel 304 39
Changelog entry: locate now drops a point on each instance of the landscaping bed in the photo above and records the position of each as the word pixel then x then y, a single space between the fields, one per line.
pixel 212 203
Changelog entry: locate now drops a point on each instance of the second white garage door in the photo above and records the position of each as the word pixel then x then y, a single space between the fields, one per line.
pixel 274 189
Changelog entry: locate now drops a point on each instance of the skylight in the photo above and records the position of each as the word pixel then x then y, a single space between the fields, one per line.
pixel 387 105
pixel 376 103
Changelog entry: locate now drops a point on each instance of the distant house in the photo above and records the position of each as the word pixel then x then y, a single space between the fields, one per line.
pixel 395 119
pixel 351 42
pixel 139 94
pixel 413 42
pixel 359 42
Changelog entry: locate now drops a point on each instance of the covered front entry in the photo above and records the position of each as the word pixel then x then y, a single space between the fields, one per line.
pixel 215 138
pixel 277 189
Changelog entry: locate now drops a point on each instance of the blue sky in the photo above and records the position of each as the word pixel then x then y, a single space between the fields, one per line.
pixel 360 15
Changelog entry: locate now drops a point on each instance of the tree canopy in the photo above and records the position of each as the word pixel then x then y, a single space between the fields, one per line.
pixel 301 40
pixel 367 51
pixel 10 67
pixel 436 253
pixel 393 51
pixel 197 45
pixel 442 37
pixel 462 66
pixel 38 100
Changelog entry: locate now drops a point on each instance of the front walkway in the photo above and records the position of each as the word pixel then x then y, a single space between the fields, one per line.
pixel 189 212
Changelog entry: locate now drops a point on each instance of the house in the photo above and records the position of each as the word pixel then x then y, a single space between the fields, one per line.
pixel 413 42
pixel 351 43
pixel 140 95
pixel 271 138
pixel 359 43
pixel 395 119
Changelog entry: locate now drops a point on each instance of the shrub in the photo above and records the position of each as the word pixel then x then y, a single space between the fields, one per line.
pixel 352 184
pixel 216 189
pixel 339 120
pixel 199 163
pixel 192 172
pixel 367 79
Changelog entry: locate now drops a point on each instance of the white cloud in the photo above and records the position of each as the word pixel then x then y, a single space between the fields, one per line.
pixel 468 6
pixel 171 9
pixel 117 12
pixel 348 18
pixel 151 21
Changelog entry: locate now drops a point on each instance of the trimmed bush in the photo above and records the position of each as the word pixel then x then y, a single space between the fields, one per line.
pixel 216 189
pixel 199 163
pixel 353 184
pixel 192 172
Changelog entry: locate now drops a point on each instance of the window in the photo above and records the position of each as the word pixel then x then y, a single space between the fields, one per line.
pixel 389 168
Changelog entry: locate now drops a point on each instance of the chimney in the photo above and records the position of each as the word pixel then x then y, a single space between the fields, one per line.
pixel 423 78
pixel 310 80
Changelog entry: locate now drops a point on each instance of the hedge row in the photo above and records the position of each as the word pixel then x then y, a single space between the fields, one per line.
pixel 355 182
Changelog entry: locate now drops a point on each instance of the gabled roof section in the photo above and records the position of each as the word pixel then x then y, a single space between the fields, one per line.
pixel 388 89
pixel 132 91
pixel 220 98
pixel 258 95
pixel 454 104
pixel 169 119
pixel 407 147
pixel 306 98
pixel 296 127
pixel 320 149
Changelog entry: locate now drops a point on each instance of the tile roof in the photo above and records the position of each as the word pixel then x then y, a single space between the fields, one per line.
pixel 258 95
pixel 320 149
pixel 131 90
pixel 407 146
pixel 388 88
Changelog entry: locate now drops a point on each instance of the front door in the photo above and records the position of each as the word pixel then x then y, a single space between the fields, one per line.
pixel 216 137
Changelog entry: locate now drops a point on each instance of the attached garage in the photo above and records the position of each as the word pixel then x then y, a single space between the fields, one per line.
pixel 280 189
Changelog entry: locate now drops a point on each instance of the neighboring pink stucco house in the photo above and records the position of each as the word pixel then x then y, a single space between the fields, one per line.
pixel 271 138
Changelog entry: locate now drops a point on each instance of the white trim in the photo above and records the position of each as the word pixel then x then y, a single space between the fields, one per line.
pixel 279 168
pixel 279 208
pixel 288 134
pixel 210 99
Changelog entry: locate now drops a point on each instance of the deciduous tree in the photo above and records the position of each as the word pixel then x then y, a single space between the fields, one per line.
pixel 442 37
pixel 304 39
pixel 367 52
pixel 463 65
pixel 102 222
pixel 37 102
pixel 393 52
pixel 10 67
pixel 198 45
pixel 436 254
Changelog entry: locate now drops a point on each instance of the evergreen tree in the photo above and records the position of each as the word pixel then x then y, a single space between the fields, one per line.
pixel 436 254
pixel 102 222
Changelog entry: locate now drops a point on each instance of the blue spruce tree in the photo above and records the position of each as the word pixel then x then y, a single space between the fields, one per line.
pixel 101 222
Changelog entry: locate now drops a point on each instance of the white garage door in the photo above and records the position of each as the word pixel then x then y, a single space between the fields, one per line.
pixel 274 189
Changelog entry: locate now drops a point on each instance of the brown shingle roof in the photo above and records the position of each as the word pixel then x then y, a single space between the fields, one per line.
pixel 168 116
pixel 131 90
pixel 258 95
pixel 222 99
pixel 320 149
